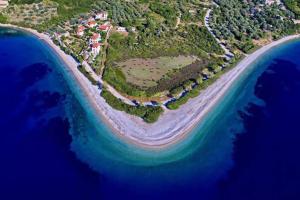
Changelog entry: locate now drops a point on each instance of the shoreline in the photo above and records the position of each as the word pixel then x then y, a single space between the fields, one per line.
pixel 173 125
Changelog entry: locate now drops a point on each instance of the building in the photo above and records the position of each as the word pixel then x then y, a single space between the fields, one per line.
pixel 3 4
pixel 60 34
pixel 133 29
pixel 270 2
pixel 101 15
pixel 80 31
pixel 86 55
pixel 91 24
pixel 104 27
pixel 96 48
pixel 95 38
pixel 65 34
pixel 90 19
pixel 192 11
pixel 121 29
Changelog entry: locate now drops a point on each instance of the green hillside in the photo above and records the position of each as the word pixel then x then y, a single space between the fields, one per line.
pixel 294 6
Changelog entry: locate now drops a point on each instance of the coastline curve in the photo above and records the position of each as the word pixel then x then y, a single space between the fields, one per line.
pixel 174 125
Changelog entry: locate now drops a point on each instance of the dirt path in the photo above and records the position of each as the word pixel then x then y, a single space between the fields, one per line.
pixel 228 53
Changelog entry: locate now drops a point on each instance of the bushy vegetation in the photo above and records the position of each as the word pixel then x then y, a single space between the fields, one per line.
pixel 148 113
pixel 66 10
pixel 189 40
pixel 156 37
pixel 166 10
pixel 122 12
pixel 87 74
pixel 176 90
pixel 294 6
pixel 3 19
pixel 24 1
pixel 191 71
pixel 115 77
pixel 239 22
pixel 151 43
pixel 191 12
pixel 192 93
pixel 30 15
pixel 134 13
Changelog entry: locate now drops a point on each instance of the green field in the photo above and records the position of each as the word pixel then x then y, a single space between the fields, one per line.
pixel 146 72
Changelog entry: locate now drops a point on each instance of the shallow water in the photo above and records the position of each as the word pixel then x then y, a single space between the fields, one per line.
pixel 53 146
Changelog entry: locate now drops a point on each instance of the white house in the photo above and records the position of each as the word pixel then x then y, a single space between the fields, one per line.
pixel 91 24
pixel 191 11
pixel 65 34
pixel 270 2
pixel 96 48
pixel 90 19
pixel 133 29
pixel 80 31
pixel 62 34
pixel 121 29
pixel 86 55
pixel 3 4
pixel 102 15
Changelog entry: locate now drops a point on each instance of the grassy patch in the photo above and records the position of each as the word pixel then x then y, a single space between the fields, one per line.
pixel 115 77
pixel 3 19
pixel 146 72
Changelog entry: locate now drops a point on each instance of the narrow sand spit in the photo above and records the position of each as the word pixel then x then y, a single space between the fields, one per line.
pixel 173 125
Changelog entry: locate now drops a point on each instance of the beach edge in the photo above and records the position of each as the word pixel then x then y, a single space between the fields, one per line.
pixel 171 127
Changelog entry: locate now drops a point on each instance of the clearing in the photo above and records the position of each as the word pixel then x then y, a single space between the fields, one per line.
pixel 146 72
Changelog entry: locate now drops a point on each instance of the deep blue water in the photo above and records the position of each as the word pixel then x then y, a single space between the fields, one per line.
pixel 36 161
pixel 266 154
pixel 51 148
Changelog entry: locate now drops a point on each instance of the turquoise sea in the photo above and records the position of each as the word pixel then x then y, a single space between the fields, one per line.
pixel 53 145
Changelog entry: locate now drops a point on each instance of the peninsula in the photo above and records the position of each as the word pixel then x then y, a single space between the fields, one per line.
pixel 148 95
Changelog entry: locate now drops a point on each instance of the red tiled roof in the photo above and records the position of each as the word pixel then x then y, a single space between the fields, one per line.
pixel 80 28
pixel 95 36
pixel 91 23
pixel 104 27
pixel 96 45
pixel 91 19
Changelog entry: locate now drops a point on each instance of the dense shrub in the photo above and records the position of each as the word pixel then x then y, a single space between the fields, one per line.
pixel 239 22
pixel 115 77
pixel 148 113
pixel 294 6
pixel 87 74
pixel 173 105
pixel 3 19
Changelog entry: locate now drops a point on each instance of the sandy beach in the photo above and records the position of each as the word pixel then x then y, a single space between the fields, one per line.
pixel 173 125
